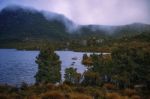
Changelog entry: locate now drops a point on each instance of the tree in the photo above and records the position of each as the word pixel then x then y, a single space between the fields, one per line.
pixel 91 78
pixel 48 67
pixel 132 64
pixel 100 68
pixel 87 61
pixel 102 64
pixel 71 75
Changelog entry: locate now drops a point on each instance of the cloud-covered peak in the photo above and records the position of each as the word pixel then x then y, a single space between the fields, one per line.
pixel 105 12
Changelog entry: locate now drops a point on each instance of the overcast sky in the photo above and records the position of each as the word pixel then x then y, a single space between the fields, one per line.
pixel 104 12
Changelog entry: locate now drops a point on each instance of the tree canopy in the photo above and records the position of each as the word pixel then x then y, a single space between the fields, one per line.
pixel 48 67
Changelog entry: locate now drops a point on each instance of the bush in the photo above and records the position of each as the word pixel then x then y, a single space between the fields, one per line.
pixel 129 92
pixel 24 86
pixel 77 96
pixel 65 88
pixel 113 96
pixel 33 97
pixel 4 96
pixel 52 95
pixel 109 86
pixel 80 90
pixel 97 94
pixel 135 97
pixel 50 86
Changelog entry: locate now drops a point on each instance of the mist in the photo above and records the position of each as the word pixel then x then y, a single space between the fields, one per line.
pixel 84 12
pixel 69 25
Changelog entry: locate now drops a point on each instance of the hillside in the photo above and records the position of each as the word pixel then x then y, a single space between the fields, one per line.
pixel 26 24
pixel 19 24
pixel 116 31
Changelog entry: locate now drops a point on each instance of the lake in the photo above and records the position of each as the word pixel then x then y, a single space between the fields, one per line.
pixel 17 66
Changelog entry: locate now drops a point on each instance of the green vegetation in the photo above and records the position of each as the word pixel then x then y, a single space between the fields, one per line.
pixel 49 67
pixel 26 24
pixel 64 91
pixel 24 28
pixel 132 64
pixel 129 61
pixel 72 76
pixel 122 74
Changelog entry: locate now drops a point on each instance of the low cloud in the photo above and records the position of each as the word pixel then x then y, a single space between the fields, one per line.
pixel 104 12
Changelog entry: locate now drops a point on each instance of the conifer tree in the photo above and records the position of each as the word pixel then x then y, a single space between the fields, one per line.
pixel 48 67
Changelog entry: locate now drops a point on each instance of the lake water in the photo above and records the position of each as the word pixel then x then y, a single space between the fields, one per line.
pixel 19 66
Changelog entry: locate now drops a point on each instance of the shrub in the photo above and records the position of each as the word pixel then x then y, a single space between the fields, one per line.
pixel 80 89
pixel 97 94
pixel 24 86
pixel 16 96
pixel 65 88
pixel 109 86
pixel 33 97
pixel 52 95
pixel 50 86
pixel 4 96
pixel 129 92
pixel 77 96
pixel 113 96
pixel 135 97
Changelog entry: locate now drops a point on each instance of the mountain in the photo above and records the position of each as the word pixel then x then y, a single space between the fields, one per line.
pixel 131 30
pixel 116 31
pixel 17 23
pixel 20 23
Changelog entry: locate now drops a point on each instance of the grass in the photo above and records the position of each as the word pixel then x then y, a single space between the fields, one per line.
pixel 64 91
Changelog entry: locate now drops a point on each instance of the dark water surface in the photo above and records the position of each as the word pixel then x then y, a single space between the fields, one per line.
pixel 19 66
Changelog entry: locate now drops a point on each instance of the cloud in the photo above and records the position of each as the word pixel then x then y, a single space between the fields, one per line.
pixel 105 12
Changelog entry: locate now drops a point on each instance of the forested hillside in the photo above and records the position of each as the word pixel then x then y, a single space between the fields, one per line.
pixel 28 27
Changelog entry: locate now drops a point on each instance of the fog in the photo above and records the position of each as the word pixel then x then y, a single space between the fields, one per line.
pixel 102 12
